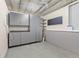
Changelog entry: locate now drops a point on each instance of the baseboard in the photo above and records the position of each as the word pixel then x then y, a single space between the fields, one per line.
pixel 24 44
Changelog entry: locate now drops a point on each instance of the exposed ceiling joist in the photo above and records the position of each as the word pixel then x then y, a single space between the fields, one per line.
pixel 42 7
pixel 57 6
pixel 37 7
pixel 23 6
pixel 52 3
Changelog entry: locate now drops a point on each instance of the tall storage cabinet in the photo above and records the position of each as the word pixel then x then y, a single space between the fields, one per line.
pixel 36 27
pixel 20 37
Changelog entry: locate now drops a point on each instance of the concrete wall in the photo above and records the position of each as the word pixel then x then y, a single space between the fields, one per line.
pixel 3 28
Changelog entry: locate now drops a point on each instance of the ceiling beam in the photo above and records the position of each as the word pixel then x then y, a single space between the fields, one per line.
pixel 59 6
pixel 42 6
pixel 25 10
pixel 39 9
pixel 52 3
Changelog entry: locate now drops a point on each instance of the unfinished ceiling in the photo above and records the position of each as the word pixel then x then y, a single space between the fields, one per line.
pixel 37 7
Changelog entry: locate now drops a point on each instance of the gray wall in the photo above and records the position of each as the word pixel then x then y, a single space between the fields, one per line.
pixel 66 40
pixel 74 16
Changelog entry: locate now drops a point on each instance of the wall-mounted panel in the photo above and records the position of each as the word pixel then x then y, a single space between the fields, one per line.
pixel 55 21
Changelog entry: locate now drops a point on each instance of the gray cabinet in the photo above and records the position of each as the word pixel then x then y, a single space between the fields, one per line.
pixel 23 37
pixel 36 27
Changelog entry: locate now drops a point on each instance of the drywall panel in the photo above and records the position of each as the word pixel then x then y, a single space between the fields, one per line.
pixel 74 16
pixel 65 39
pixel 3 28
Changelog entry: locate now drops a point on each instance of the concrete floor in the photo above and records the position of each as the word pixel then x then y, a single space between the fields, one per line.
pixel 39 50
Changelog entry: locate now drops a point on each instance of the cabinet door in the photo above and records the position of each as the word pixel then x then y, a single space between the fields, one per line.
pixel 37 28
pixel 18 19
pixel 27 37
pixel 14 38
pixel 11 19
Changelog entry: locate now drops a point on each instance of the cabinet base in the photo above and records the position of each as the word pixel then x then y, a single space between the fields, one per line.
pixel 24 44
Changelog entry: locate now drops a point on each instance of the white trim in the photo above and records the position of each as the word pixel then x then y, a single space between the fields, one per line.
pixel 17 12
